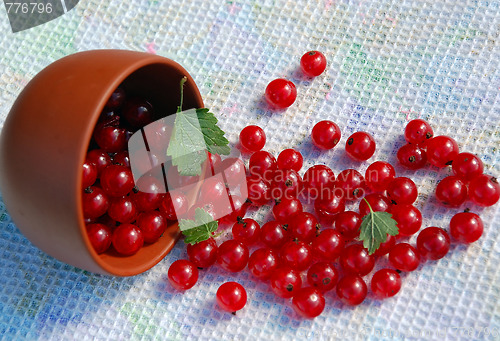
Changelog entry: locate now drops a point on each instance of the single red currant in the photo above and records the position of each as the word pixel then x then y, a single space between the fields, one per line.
pixel 328 245
pixel 412 156
pixel 122 209
pixel 318 180
pixel 109 136
pixel 174 203
pixel 262 164
pixel 290 159
pixel 182 274
pixel 313 63
pixel 274 235
pixel 280 93
pixel 296 254
pixel 252 138
pixel 433 243
pixel 351 289
pixel 348 224
pixel 408 218
pixel 304 226
pixel 351 184
pixel 246 231
pixel 116 99
pixel 94 202
pixel 203 254
pixel 99 236
pixel 259 190
pixel 285 282
pixel 441 150
pixel 402 191
pixel 385 247
pixel 386 283
pixel 263 262
pixel 356 259
pixel 117 180
pixel 404 257
pixel 466 227
pixel 360 146
pixel 231 296
pixel 378 175
pixel 286 183
pixel 138 112
pixel 89 175
pixel 378 203
pixel 233 255
pixel 100 159
pixel 286 208
pixel 484 190
pixel 325 135
pixel 127 239
pixel 148 193
pixel 233 169
pixel 308 302
pixel 451 191
pixel 331 203
pixel 323 276
pixel 152 224
pixel 121 158
pixel 467 166
pixel 418 131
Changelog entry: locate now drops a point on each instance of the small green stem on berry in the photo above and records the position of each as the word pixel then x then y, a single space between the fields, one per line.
pixel 371 211
pixel 183 80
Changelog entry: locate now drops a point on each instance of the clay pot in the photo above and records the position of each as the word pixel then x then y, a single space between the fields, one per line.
pixel 45 139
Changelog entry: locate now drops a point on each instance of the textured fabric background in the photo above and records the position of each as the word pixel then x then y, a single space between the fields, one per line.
pixel 389 61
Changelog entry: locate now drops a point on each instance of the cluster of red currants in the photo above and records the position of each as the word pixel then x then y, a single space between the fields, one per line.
pixel 297 255
pixel 118 216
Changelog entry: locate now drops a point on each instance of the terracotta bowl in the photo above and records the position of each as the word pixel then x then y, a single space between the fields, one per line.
pixel 45 139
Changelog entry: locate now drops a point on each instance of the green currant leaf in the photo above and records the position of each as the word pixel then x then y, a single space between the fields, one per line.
pixel 199 229
pixel 374 229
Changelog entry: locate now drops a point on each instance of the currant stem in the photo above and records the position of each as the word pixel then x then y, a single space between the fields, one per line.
pixel 183 80
pixel 371 211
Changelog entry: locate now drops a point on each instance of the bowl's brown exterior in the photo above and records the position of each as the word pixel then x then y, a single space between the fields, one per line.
pixel 45 139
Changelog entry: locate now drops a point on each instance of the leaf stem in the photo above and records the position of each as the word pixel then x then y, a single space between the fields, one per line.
pixel 371 210
pixel 183 81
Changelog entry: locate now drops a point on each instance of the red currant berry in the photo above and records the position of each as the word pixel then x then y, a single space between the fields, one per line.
pixel 328 245
pixel 127 239
pixel 347 224
pixel 385 247
pixel 351 289
pixel 296 254
pixel 404 257
pixel 386 283
pixel 262 164
pixel 233 168
pixel 441 150
pixel 89 175
pixel 290 159
pixel 100 159
pixel 94 202
pixel 110 137
pixel 121 158
pixel 304 226
pixel 203 254
pixel 378 175
pixel 122 209
pixel 466 227
pixel 308 302
pixel 281 93
pixel 239 208
pixel 99 236
pixel 286 183
pixel 231 296
pixel 408 218
pixel 360 146
pixel 484 190
pixel 325 135
pixel 246 231
pixel 351 184
pixel 263 262
pixel 152 224
pixel 116 99
pixel 274 235
pixel 433 243
pixel 212 190
pixel 451 191
pixel 233 255
pixel 285 282
pixel 259 190
pixel 331 203
pixel 286 208
pixel 412 156
pixel 467 166
pixel 356 259
pixel 325 219
pixel 117 180
pixel 418 131
pixel 378 203
pixel 138 112
pixel 182 274
pixel 323 276
pixel 252 138
pixel 318 181
pixel 173 203
pixel 402 191
pixel 149 196
pixel 313 63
